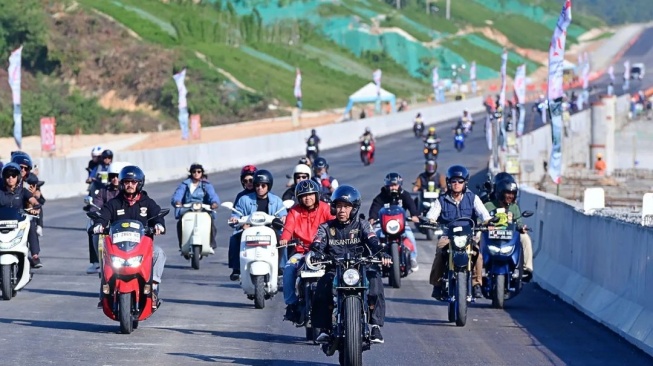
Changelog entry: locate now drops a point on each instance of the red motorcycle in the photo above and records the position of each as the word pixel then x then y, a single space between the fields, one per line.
pixel 127 256
pixel 393 224
pixel 367 151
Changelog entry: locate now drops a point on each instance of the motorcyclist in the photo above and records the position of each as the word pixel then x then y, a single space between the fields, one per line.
pixel 431 135
pixel 13 194
pixel 246 180
pixel 260 200
pixel 314 140
pixel 96 152
pixel 105 161
pixel 505 191
pixel 418 123
pixel 393 192
pixel 456 203
pixel 24 162
pixel 465 122
pixel 196 188
pixel 100 197
pixel 300 173
pixel 327 183
pixel 133 203
pixel 33 185
pixel 367 135
pixel 345 234
pixel 301 223
pixel 306 161
pixel 430 174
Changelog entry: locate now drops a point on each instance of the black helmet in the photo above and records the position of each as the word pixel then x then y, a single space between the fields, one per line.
pixel 107 154
pixel 457 171
pixel 196 166
pixel 504 186
pixel 132 172
pixel 11 168
pixel 264 176
pixel 21 158
pixel 320 163
pixel 504 176
pixel 393 178
pixel 347 194
pixel 430 167
pixel 313 132
pixel 305 187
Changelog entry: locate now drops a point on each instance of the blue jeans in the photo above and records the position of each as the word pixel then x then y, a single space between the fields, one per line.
pixel 290 277
pixel 409 234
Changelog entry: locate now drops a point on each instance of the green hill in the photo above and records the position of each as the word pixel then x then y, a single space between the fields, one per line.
pixel 241 55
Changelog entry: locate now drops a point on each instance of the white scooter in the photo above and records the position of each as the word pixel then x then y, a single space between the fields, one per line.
pixel 259 259
pixel 14 252
pixel 196 232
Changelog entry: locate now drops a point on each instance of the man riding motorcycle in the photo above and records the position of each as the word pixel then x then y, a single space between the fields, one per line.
pixel 300 173
pixel 133 203
pixel 260 200
pixel 24 161
pixel 301 223
pixel 313 140
pixel 13 194
pixel 96 152
pixel 456 203
pixel 431 134
pixel 390 192
pixel 506 197
pixel 418 123
pixel 105 161
pixel 196 188
pixel 430 174
pixel 341 235
pixel 327 183
pixel 100 197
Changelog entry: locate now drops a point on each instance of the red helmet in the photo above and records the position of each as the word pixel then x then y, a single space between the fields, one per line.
pixel 247 170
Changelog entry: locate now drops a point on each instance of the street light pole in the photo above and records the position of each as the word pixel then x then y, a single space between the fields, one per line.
pixel 448 9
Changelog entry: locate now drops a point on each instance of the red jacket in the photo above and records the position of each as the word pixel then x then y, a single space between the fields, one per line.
pixel 302 224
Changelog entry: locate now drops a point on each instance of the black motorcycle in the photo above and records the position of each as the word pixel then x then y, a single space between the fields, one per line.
pixel 307 278
pixel 431 148
pixel 423 200
pixel 418 129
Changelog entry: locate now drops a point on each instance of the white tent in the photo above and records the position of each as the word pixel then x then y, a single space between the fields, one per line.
pixel 367 94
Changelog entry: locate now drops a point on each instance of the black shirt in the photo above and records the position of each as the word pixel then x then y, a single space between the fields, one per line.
pixel 16 199
pixel 119 209
pixel 384 197
pixel 262 204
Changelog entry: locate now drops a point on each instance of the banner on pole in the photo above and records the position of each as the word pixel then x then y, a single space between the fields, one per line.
pixel 195 127
pixel 48 134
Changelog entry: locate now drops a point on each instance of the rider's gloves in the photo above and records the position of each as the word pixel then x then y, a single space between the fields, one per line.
pixel 98 229
pixel 317 257
pixel 160 228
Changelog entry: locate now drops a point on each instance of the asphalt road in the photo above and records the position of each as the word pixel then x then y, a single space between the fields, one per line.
pixel 206 318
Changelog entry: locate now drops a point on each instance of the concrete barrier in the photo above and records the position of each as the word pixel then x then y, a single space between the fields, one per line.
pixel 65 176
pixel 600 265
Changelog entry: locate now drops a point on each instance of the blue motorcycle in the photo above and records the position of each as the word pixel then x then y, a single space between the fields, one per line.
pixel 459 140
pixel 503 260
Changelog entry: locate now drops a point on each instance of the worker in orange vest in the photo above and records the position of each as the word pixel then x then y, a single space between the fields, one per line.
pixel 599 165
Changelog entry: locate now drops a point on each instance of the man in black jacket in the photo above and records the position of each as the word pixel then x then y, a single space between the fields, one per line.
pixel 392 193
pixel 339 236
pixel 132 203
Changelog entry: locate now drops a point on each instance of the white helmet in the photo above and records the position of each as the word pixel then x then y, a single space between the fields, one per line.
pixel 97 151
pixel 116 167
pixel 302 169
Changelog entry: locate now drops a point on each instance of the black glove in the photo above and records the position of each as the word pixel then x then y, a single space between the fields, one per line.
pixel 385 256
pixel 317 257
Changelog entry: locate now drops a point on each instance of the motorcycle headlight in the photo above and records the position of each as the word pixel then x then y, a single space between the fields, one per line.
pixel 363 147
pixel 392 227
pixel 460 241
pixel 351 277
pixel 494 250
pixel 118 262
pixel 426 151
pixel 197 206
pixel 507 249
pixel 13 242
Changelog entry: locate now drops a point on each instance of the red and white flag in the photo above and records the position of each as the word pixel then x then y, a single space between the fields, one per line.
pixel 520 84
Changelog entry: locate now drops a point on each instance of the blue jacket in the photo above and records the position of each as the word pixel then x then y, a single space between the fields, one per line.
pixel 450 211
pixel 97 170
pixel 204 193
pixel 247 205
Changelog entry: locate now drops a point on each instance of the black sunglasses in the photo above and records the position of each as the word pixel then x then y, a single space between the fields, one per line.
pixel 198 171
pixel 458 181
pixel 248 180
pixel 12 175
pixel 259 185
pixel 301 176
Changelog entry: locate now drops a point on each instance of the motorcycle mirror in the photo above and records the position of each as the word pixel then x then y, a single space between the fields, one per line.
pixel 230 206
pixel 527 214
pixel 426 204
pixel 288 176
pixel 361 216
pixel 495 219
pixel 88 200
pixel 288 203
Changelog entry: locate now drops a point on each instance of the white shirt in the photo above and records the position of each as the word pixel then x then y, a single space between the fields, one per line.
pixel 479 207
pixel 193 186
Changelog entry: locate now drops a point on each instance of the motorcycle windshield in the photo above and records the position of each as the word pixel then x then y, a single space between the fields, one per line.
pixel 9 219
pixel 126 234
pixel 392 211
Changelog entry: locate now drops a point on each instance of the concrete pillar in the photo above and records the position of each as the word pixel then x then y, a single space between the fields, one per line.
pixel 597 142
pixel 610 128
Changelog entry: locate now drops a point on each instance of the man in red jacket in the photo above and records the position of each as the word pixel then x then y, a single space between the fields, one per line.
pixel 301 224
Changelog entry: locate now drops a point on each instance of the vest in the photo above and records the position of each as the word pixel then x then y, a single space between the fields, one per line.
pixel 450 211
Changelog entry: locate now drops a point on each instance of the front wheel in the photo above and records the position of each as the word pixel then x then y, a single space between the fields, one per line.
pixel 365 158
pixel 353 347
pixel 395 275
pixel 7 286
pixel 461 298
pixel 125 310
pixel 259 292
pixel 197 255
pixel 429 234
pixel 498 295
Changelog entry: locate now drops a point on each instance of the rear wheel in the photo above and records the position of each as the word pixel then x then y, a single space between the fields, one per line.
pixel 429 234
pixel 197 254
pixel 125 310
pixel 7 286
pixel 259 292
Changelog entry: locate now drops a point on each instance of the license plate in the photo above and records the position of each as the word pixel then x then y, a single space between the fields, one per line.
pixel 9 224
pixel 257 238
pixel 126 236
pixel 432 194
pixel 312 274
pixel 311 148
pixel 500 234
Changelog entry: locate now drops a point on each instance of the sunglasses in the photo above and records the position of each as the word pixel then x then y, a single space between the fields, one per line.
pixel 25 168
pixel 11 175
pixel 248 180
pixel 113 176
pixel 301 176
pixel 130 182
pixel 198 171
pixel 459 181
pixel 260 185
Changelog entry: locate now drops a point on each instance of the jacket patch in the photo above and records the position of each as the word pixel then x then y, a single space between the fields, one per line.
pixel 143 211
pixel 120 212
